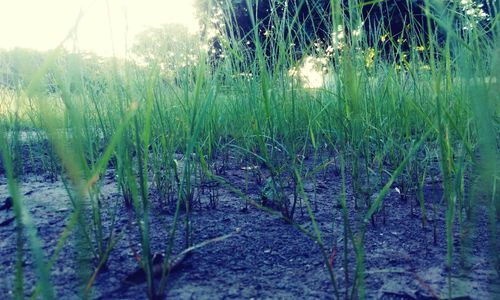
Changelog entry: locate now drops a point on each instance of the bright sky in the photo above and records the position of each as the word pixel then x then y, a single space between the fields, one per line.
pixel 43 24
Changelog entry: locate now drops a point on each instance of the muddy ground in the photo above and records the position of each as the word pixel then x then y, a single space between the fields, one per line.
pixel 265 258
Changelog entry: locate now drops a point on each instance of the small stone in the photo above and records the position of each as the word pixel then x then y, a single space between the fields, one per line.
pixel 7 222
pixel 308 187
pixel 7 204
pixel 53 221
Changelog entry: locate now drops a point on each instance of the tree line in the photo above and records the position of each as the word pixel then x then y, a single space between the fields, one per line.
pixel 386 23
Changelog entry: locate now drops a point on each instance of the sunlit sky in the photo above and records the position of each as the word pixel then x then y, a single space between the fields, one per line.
pixel 105 25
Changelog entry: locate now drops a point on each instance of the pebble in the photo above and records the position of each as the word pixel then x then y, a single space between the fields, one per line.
pixel 7 221
pixel 7 204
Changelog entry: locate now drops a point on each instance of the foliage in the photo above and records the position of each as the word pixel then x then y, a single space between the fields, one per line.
pixel 391 26
pixel 170 48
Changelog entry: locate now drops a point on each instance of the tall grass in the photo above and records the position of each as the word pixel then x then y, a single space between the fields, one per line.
pixel 383 117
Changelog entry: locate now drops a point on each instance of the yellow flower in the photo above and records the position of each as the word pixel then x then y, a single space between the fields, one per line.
pixel 369 57
pixel 420 48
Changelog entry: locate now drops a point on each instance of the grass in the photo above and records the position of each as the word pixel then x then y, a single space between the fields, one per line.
pixel 385 119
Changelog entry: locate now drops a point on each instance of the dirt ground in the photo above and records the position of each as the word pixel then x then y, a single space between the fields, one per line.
pixel 265 258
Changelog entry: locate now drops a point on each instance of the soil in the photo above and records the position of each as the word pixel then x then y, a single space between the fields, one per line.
pixel 265 257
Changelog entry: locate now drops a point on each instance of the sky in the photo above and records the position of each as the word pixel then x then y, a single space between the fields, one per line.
pixel 107 27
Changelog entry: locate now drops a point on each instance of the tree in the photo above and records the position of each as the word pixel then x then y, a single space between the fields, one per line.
pixel 170 48
pixel 18 65
pixel 390 25
pixel 299 23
